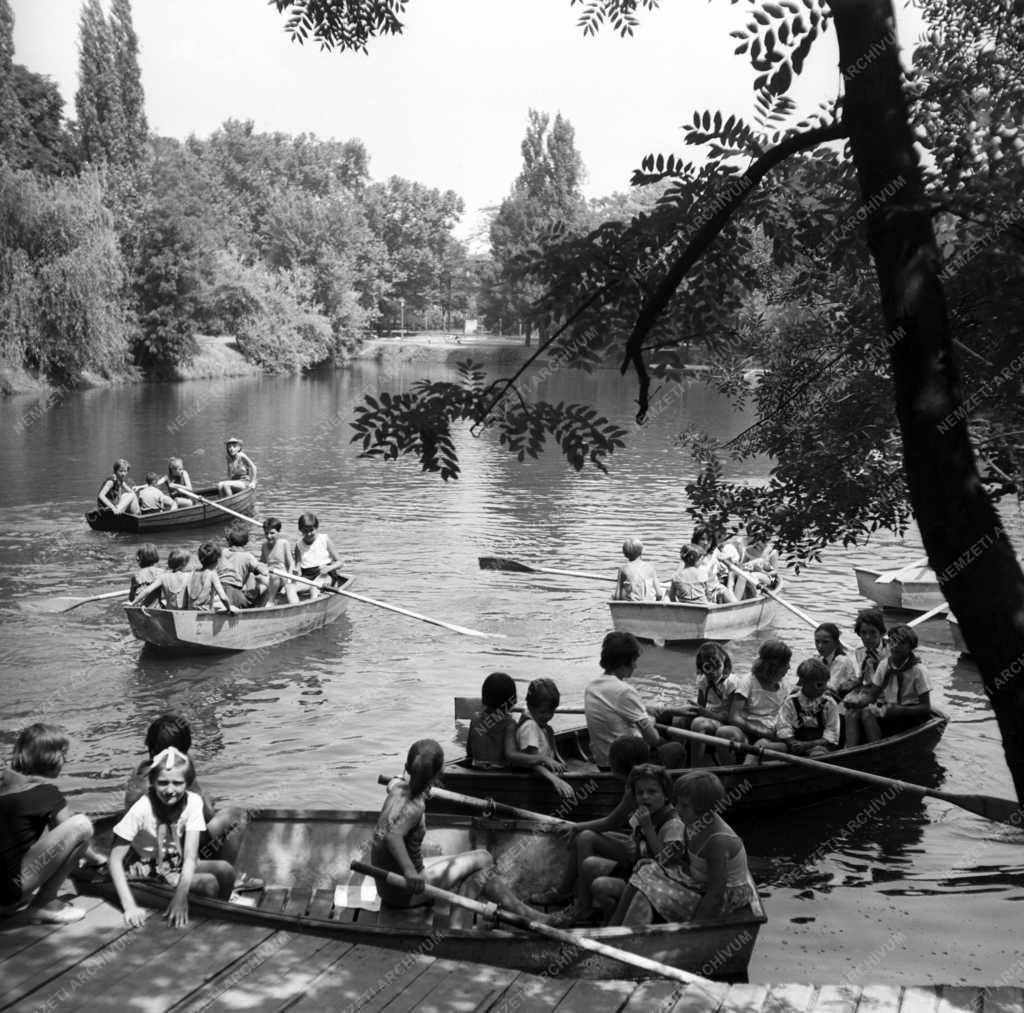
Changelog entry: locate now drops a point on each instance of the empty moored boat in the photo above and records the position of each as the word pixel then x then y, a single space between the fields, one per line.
pixel 913 589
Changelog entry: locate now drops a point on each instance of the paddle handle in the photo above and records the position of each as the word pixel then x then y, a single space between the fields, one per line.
pixel 488 806
pixel 215 505
pixel 98 597
pixel 491 910
pixel 464 630
pixel 925 616
pixel 888 578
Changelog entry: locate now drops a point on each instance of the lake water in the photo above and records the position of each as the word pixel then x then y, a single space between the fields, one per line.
pixel 900 890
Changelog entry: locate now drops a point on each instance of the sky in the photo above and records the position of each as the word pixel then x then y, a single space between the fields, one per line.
pixel 446 102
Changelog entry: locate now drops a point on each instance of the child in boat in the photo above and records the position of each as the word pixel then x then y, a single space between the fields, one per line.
pixel 241 469
pixel 171 585
pixel 808 722
pixel 710 880
pixel 240 572
pixel 41 839
pixel 614 708
pixel 689 582
pixel 870 627
pixel 222 837
pixel 755 699
pixel 149 569
pixel 711 711
pixel 490 726
pixel 204 586
pixel 842 668
pixel 163 828
pixel 176 475
pixel 151 498
pixel 116 494
pixel 276 554
pixel 706 539
pixel 900 693
pixel 532 743
pixel 636 579
pixel 658 832
pixel 315 555
pixel 398 840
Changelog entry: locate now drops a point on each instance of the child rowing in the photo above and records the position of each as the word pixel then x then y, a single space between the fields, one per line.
pixel 241 469
pixel 163 828
pixel 398 842
pixel 637 579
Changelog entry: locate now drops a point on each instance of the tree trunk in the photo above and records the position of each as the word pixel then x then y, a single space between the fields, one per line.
pixel 962 533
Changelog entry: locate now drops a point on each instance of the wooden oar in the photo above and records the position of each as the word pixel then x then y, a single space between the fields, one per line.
pixel 540 928
pixel 931 613
pixel 467 706
pixel 216 505
pixel 58 604
pixel 464 630
pixel 514 566
pixel 795 609
pixel 999 809
pixel 488 806
pixel 891 575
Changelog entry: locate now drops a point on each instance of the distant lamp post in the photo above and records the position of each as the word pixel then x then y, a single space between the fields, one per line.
pixel 401 328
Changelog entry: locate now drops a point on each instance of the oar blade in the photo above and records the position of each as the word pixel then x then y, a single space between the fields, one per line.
pixel 1000 810
pixel 501 563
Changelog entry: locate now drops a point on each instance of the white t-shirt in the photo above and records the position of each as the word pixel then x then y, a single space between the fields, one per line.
pixel 762 705
pixel 151 841
pixel 613 708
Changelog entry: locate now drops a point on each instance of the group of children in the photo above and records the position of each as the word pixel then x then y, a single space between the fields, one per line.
pixel 231 577
pixel 713 570
pixel 170 832
pixel 163 492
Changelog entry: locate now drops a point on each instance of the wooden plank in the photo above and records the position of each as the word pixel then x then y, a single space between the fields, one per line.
pixel 588 996
pixel 274 899
pixel 699 997
pixel 17 933
pixel 298 902
pixel 655 994
pixel 267 976
pixel 789 999
pixel 421 988
pixel 532 994
pixel 1004 999
pixel 879 999
pixel 60 952
pixel 836 999
pixel 743 998
pixel 162 964
pixel 321 904
pixel 469 988
pixel 954 998
pixel 919 1000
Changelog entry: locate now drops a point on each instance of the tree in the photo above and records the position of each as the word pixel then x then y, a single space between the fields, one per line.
pixel 129 80
pixel 13 123
pixel 953 508
pixel 102 125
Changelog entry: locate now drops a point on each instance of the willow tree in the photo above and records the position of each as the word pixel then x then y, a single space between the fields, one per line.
pixel 693 256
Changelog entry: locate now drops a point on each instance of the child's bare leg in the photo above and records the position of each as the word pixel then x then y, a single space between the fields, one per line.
pixel 723 754
pixel 871 725
pixel 213 879
pixel 607 890
pixel 706 726
pixel 633 908
pixel 49 861
pixel 852 728
pixel 225 828
pixel 591 845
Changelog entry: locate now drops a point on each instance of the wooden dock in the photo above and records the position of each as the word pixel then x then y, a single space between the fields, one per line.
pixel 98 964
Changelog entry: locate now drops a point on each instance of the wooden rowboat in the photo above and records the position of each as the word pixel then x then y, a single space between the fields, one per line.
pixel 681 622
pixel 303 858
pixel 916 589
pixel 188 631
pixel 200 515
pixel 772 786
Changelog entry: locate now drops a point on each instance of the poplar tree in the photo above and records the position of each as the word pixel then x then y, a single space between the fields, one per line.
pixel 101 116
pixel 129 79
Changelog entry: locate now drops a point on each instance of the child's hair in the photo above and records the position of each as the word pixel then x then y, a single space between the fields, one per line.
pixel 833 633
pixel 147 554
pixel 774 655
pixel 122 464
pixel 271 524
pixel 152 478
pixel 423 764
pixel 632 548
pixel 703 789
pixel 170 729
pixel 905 635
pixel 175 463
pixel 39 750
pixel 543 691
pixel 651 772
pixel 710 649
pixel 308 521
pixel 498 691
pixel 237 534
pixel 704 531
pixel 869 617
pixel 177 559
pixel 690 554
pixel 811 670
pixel 627 752
pixel 170 758
pixel 618 649
pixel 209 554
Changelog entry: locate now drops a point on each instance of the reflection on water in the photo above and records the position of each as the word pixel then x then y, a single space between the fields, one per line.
pixel 350 698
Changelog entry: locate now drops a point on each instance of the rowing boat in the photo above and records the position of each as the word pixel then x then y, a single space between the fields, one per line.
pixel 200 515
pixel 916 589
pixel 681 622
pixel 188 631
pixel 303 858
pixel 773 786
